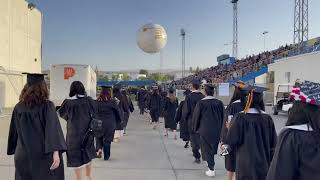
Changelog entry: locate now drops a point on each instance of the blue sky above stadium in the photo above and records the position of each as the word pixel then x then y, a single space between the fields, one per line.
pixel 103 32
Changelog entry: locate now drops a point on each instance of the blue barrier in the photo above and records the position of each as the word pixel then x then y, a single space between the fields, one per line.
pixel 251 76
pixel 127 83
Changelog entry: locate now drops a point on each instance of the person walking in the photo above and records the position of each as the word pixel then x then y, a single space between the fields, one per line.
pixel 124 110
pixel 78 111
pixel 207 121
pixel 187 113
pixel 130 109
pixel 154 106
pixel 35 135
pixel 171 104
pixel 235 106
pixel 297 154
pixel 184 130
pixel 141 97
pixel 253 134
pixel 109 112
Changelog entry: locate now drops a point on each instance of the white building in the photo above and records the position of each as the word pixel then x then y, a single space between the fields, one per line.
pixel 20 47
pixel 303 67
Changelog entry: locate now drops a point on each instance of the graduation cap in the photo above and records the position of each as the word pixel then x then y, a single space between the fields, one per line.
pixel 240 84
pixel 155 87
pixel 34 78
pixel 254 91
pixel 308 92
pixel 196 82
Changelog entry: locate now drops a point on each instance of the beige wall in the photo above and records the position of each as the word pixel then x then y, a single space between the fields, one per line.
pixel 303 67
pixel 20 47
pixel 20 37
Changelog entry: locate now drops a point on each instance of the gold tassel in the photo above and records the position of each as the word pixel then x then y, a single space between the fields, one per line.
pixel 249 101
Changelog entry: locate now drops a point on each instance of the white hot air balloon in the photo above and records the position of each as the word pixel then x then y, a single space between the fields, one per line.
pixel 152 38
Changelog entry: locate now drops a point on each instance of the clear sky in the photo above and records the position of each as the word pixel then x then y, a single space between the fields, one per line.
pixel 103 32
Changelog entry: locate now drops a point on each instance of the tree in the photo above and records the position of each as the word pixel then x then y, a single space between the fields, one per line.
pixel 144 71
pixel 115 77
pixel 190 69
pixel 126 77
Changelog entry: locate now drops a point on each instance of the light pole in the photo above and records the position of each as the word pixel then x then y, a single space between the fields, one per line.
pixel 264 39
pixel 183 69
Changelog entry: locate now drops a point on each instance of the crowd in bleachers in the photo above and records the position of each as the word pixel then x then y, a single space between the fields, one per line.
pixel 225 73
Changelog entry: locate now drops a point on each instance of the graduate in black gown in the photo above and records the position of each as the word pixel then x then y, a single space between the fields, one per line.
pixel 254 137
pixel 35 136
pixel 235 106
pixel 77 110
pixel 141 97
pixel 130 109
pixel 163 95
pixel 109 112
pixel 124 110
pixel 154 106
pixel 184 130
pixel 187 113
pixel 171 104
pixel 207 121
pixel 297 154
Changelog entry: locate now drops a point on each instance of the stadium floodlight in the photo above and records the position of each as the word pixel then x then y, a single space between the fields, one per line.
pixel 264 39
pixel 235 29
pixel 31 6
pixel 183 68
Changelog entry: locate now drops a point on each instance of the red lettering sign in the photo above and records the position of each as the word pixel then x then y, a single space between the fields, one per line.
pixel 69 72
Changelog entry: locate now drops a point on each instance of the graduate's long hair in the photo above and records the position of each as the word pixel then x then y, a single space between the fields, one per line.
pixel 77 89
pixel 302 113
pixel 105 95
pixel 237 94
pixel 34 95
pixel 255 100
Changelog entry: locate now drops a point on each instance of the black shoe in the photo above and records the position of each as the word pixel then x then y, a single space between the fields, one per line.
pixel 186 145
pixel 198 161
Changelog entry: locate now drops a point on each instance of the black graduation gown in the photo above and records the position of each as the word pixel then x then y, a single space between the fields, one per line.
pixel 207 121
pixel 297 156
pixel 232 109
pixel 190 103
pixel 184 131
pixel 77 114
pixel 154 106
pixel 254 137
pixel 170 109
pixel 142 99
pixel 109 113
pixel 35 133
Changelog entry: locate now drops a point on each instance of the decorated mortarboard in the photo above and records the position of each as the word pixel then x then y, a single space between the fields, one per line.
pixel 34 78
pixel 155 87
pixel 240 84
pixel 196 82
pixel 307 92
pixel 255 89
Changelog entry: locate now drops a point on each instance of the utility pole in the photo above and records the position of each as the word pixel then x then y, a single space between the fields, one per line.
pixel 301 21
pixel 235 29
pixel 183 69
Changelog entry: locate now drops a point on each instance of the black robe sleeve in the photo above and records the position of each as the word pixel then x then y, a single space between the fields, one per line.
pixel 236 131
pixel 13 135
pixel 117 113
pixel 196 117
pixel 186 109
pixel 285 162
pixel 54 139
pixel 63 110
pixel 179 112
